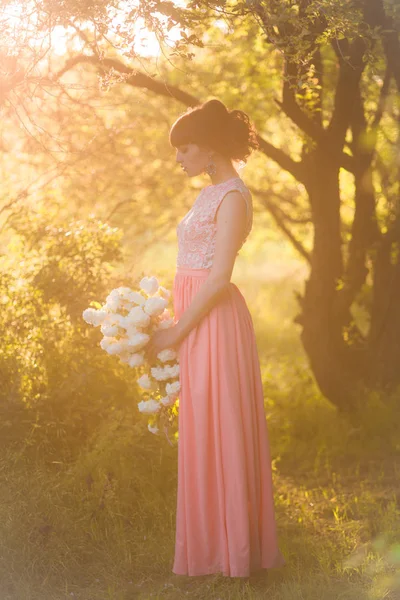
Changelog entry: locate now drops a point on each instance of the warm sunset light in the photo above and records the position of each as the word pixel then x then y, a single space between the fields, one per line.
pixel 199 299
pixel 19 21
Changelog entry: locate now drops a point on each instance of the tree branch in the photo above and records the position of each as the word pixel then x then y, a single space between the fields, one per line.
pixel 376 16
pixel 287 163
pixel 134 77
pixel 351 68
pixel 317 133
pixel 364 229
pixel 279 218
pixel 139 79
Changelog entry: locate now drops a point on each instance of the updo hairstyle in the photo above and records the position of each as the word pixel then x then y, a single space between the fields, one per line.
pixel 229 132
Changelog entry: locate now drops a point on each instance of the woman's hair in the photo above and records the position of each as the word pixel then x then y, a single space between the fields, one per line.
pixel 229 132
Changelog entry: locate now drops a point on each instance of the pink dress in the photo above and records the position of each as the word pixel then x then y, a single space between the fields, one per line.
pixel 225 519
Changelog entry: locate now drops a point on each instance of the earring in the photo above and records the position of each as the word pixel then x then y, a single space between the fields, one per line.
pixel 211 168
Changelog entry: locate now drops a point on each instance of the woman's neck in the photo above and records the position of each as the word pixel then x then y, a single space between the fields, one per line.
pixel 221 177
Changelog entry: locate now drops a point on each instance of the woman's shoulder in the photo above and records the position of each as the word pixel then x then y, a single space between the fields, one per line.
pixel 236 184
pixel 220 189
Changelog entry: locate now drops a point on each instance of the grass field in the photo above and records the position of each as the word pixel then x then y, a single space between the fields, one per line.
pixel 102 527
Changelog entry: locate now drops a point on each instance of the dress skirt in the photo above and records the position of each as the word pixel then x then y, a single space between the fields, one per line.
pixel 225 519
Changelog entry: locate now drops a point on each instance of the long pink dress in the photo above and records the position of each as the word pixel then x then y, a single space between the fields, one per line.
pixel 225 519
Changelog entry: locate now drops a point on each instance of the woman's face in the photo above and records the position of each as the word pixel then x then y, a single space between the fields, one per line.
pixel 192 158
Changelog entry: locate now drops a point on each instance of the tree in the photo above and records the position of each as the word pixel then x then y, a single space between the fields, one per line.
pixel 340 86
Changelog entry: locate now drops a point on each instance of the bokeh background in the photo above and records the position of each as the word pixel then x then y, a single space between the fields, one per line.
pixel 90 198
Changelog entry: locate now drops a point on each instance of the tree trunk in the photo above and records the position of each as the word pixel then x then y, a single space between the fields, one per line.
pixel 336 370
pixel 384 338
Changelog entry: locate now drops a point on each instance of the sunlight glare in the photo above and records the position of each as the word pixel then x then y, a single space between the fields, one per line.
pixel 146 43
pixel 18 30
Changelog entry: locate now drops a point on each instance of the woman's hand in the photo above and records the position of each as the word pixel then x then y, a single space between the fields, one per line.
pixel 160 340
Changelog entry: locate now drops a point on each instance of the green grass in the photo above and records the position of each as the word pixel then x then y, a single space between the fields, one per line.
pixel 103 526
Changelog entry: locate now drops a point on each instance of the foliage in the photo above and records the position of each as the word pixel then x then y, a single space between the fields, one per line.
pixel 87 493
pixel 58 385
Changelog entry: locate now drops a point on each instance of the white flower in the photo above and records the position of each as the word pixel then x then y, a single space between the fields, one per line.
pixel 102 316
pixel 115 348
pixel 153 429
pixel 109 330
pixel 159 373
pixel 136 298
pixel 112 303
pixel 123 291
pixel 173 388
pixel 113 294
pixel 168 400
pixel 136 360
pixel 163 373
pixel 163 292
pixel 155 306
pixel 149 285
pixel 165 324
pixel 167 354
pixel 126 304
pixel 173 371
pixel 131 331
pixel 124 342
pixel 138 317
pixel 121 322
pixel 133 360
pixel 149 406
pixel 94 317
pixel 145 382
pixel 118 319
pixel 138 340
pixel 107 341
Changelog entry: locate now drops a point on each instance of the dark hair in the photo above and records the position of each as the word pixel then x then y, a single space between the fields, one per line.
pixel 229 132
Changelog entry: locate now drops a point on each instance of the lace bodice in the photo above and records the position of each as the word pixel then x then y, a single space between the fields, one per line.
pixel 197 230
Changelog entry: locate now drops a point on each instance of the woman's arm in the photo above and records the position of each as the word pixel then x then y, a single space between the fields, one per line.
pixel 231 224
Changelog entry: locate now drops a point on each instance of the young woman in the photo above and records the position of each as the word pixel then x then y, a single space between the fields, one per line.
pixel 225 520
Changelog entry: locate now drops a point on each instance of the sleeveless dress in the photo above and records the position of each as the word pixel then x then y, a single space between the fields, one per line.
pixel 225 520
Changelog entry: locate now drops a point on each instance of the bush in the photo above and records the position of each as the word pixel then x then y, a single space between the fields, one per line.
pixel 57 383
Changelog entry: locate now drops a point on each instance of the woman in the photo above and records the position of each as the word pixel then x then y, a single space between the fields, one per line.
pixel 225 513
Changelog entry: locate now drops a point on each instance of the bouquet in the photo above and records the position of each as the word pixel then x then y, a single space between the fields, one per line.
pixel 127 320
